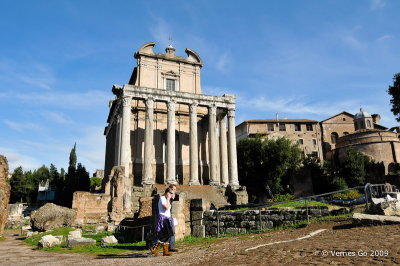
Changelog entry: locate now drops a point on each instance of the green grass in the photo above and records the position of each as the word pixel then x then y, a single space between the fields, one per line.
pixel 34 240
pixel 97 249
pixel 2 238
pixel 188 241
pixel 300 204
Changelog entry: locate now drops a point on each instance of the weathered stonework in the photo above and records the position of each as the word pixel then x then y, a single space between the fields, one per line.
pixel 245 221
pixel 162 129
pixel 4 192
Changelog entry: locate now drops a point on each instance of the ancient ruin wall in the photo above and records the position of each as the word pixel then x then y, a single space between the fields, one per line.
pixel 90 208
pixel 4 192
pixel 231 222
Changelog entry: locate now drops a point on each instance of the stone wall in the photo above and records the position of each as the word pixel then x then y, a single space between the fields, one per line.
pixel 90 208
pixel 244 221
pixel 4 192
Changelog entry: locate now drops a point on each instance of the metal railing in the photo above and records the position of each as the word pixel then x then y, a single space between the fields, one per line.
pixel 377 191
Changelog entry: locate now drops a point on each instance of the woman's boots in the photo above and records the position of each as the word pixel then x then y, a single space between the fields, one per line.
pixel 166 251
pixel 155 248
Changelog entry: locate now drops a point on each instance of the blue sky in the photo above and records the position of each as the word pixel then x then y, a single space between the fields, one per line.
pixel 301 59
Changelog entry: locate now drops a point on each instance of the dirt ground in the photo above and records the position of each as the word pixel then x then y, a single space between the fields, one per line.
pixel 341 243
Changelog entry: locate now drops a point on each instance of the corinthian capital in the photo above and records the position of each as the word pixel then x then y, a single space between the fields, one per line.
pixel 126 101
pixel 212 110
pixel 149 103
pixel 171 106
pixel 193 107
pixel 231 113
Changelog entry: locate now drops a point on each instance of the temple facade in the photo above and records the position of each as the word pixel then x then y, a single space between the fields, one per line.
pixel 163 130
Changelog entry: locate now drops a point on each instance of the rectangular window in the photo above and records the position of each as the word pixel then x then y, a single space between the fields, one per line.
pixel 309 127
pixel 314 153
pixel 314 142
pixel 297 127
pixel 170 84
pixel 270 127
pixel 282 127
pixel 300 141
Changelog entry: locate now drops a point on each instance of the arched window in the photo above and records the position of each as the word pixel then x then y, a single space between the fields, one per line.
pixel 345 133
pixel 368 124
pixel 334 137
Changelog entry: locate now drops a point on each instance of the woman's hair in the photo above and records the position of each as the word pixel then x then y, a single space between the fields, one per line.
pixel 168 190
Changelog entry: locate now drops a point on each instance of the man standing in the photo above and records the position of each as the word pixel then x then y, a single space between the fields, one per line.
pixel 172 240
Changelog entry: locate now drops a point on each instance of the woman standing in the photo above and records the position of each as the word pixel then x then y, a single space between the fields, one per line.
pixel 164 223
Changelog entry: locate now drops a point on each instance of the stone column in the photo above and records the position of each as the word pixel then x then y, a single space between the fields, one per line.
pixel 194 160
pixel 117 153
pixel 233 174
pixel 171 143
pixel 212 111
pixel 223 151
pixel 148 144
pixel 126 149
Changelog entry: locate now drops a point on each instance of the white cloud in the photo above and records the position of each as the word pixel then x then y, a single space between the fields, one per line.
pixel 296 106
pixel 34 74
pixel 377 4
pixel 57 117
pixel 223 61
pixel 84 100
pixel 91 148
pixel 23 126
pixel 16 159
pixel 385 37
pixel 161 31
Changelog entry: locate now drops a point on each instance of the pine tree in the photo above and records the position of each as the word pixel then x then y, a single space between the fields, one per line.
pixel 83 178
pixel 394 91
pixel 71 180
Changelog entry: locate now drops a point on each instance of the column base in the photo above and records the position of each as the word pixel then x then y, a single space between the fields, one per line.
pixel 215 184
pixel 194 183
pixel 147 183
pixel 172 182
pixel 234 186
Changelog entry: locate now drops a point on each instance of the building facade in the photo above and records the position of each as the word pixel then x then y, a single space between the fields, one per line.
pixel 306 133
pixel 332 136
pixel 163 130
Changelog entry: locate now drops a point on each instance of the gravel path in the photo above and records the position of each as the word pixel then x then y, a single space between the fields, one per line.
pixel 340 243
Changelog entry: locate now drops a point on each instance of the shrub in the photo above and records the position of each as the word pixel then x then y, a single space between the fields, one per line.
pixel 347 195
pixel 281 197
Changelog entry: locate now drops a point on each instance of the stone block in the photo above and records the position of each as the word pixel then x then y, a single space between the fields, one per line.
pixel 198 205
pixel 232 230
pixel 80 242
pixel 267 224
pixel 108 240
pixel 48 241
pixel 196 217
pixel 60 237
pixel 99 229
pixel 75 234
pixel 199 231
pixel 368 219
pixel 30 233
pixel 388 207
